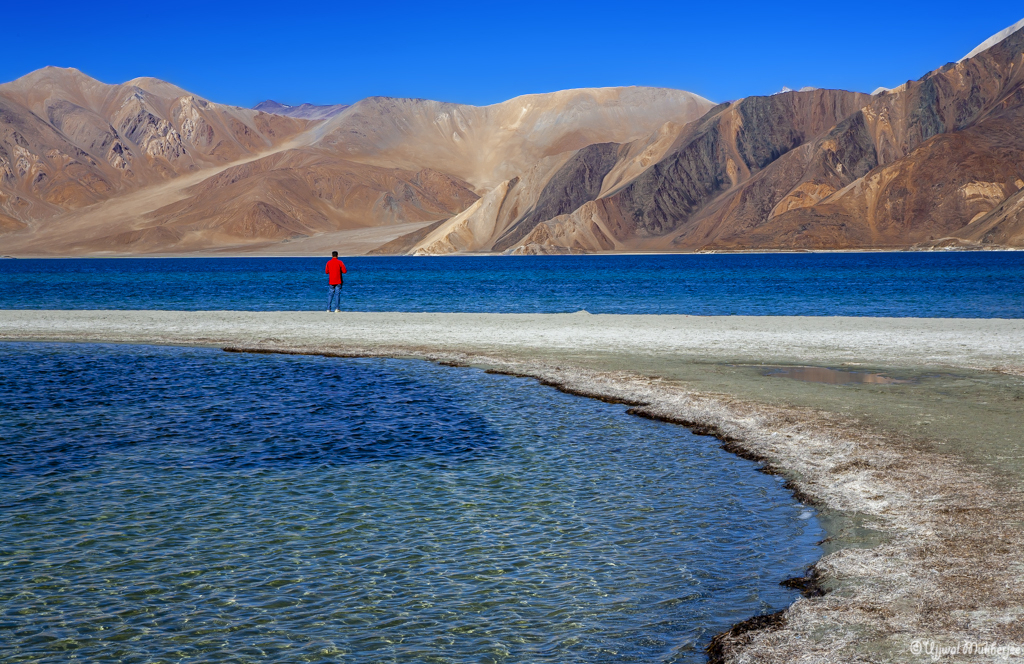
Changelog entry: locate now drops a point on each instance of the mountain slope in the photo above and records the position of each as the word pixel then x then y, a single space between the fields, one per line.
pixel 994 39
pixel 941 157
pixel 68 141
pixel 950 149
pixel 485 145
pixel 1004 225
pixel 634 195
pixel 381 162
pixel 147 167
pixel 300 193
pixel 303 111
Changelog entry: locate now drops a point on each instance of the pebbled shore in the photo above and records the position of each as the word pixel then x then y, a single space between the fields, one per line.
pixel 925 516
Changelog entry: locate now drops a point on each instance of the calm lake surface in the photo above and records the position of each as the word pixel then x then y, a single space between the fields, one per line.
pixel 955 284
pixel 162 504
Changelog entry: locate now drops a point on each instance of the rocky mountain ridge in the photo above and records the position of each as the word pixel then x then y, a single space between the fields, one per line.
pixel 381 163
pixel 68 141
pixel 937 162
pixel 303 111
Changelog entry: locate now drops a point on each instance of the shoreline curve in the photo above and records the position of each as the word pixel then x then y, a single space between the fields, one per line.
pixel 945 567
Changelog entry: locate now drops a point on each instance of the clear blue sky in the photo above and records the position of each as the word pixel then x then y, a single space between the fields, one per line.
pixel 485 52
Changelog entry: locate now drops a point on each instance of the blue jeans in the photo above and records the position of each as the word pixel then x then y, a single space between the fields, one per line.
pixel 333 290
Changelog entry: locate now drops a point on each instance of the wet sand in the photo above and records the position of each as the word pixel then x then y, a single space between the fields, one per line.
pixel 918 479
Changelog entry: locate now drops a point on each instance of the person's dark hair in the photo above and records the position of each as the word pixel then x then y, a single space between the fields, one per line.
pixel 334 253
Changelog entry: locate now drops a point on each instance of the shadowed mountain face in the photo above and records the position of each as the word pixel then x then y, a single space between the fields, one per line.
pixel 147 167
pixel 678 175
pixel 949 148
pixel 570 187
pixel 721 162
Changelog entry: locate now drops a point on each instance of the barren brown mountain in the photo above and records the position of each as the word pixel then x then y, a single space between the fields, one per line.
pixel 298 193
pixel 936 162
pixel 68 141
pixel 304 111
pixel 381 164
pixel 485 145
pixel 145 167
pixel 946 152
pixel 641 195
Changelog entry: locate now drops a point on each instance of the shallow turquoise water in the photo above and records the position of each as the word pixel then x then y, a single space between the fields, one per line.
pixel 164 504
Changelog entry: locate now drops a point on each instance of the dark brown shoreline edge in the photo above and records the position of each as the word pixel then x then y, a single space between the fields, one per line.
pixel 948 570
pixel 725 644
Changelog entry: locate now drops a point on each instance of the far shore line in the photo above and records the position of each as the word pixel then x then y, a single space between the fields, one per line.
pixel 924 531
pixel 715 252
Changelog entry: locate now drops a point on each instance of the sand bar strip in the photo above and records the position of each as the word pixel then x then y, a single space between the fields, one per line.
pixel 902 342
pixel 932 465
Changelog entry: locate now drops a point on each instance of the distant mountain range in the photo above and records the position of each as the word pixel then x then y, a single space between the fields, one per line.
pixel 146 167
pixel 304 111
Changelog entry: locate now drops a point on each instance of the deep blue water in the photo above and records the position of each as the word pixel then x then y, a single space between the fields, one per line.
pixel 162 504
pixel 955 284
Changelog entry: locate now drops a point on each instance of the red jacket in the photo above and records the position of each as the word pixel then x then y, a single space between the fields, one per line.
pixel 335 268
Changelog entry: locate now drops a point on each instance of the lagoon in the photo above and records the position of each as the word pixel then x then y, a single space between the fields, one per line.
pixel 165 503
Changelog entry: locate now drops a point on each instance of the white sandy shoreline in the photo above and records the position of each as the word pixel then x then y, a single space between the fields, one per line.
pixel 983 344
pixel 949 568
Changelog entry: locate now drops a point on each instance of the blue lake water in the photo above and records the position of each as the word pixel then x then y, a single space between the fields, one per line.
pixel 162 504
pixel 956 284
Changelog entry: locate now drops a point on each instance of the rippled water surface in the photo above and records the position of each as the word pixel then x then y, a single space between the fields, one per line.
pixel 163 504
pixel 948 285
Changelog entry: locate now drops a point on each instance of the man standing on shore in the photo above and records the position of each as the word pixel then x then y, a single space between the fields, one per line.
pixel 335 268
